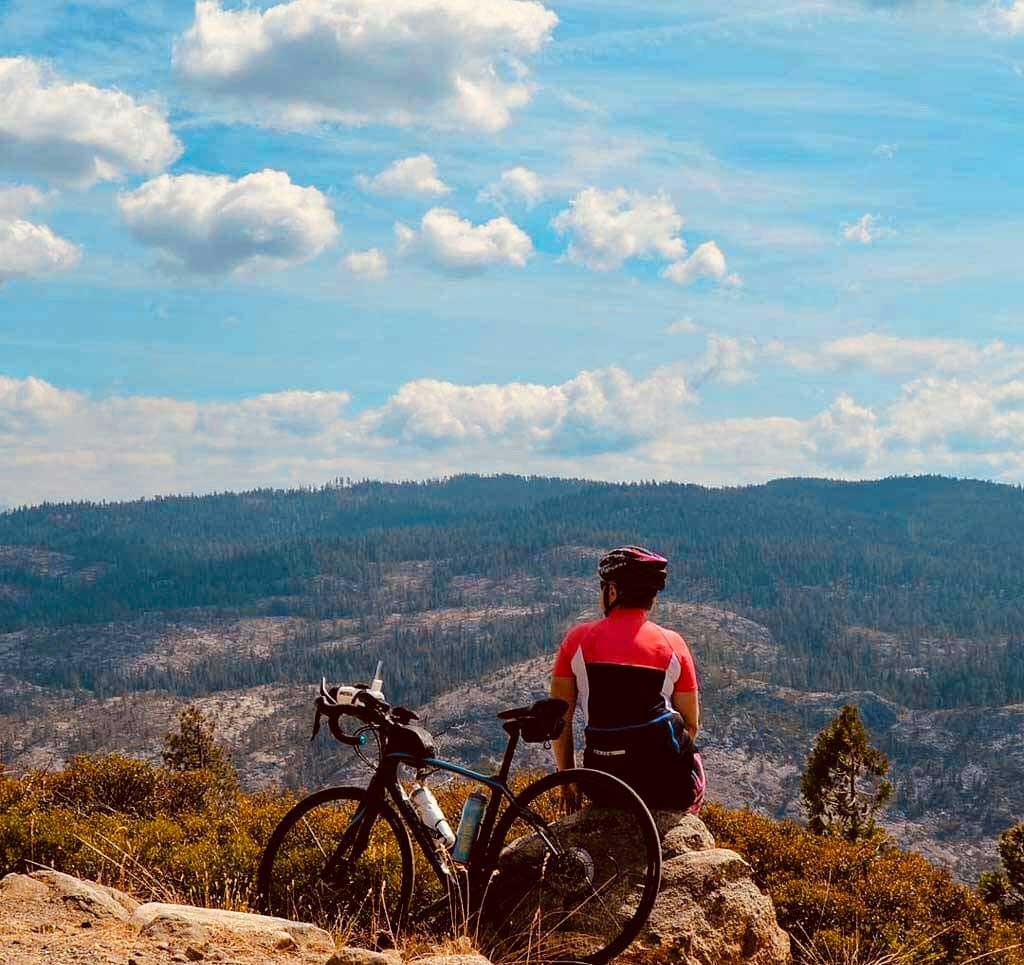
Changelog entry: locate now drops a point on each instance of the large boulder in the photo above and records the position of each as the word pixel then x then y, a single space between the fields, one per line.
pixel 185 923
pixel 709 911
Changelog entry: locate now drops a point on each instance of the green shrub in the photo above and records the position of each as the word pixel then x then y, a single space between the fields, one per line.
pixel 158 832
pixel 830 892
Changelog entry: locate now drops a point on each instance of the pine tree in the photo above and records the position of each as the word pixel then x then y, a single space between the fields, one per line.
pixel 194 747
pixel 843 786
pixel 1005 888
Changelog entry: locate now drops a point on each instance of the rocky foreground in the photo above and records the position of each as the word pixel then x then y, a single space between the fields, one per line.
pixel 709 912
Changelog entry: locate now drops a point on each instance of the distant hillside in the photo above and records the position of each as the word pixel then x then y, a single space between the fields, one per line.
pixel 904 595
pixel 929 559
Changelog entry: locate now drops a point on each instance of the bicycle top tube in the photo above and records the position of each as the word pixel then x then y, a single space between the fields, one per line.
pixel 435 763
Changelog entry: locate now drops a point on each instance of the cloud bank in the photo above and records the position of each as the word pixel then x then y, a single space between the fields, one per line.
pixel 602 423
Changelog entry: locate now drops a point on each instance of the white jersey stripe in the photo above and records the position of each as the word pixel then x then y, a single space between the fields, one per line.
pixel 672 672
pixel 579 669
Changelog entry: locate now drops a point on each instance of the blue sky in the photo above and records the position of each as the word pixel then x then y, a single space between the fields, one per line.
pixel 280 243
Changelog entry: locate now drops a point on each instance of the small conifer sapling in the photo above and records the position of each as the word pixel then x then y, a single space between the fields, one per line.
pixel 844 784
pixel 193 747
pixel 1005 888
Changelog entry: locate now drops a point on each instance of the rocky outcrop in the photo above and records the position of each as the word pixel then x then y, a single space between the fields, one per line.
pixel 709 911
pixel 196 925
pixel 49 918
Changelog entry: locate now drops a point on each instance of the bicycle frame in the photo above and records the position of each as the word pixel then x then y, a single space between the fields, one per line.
pixel 385 783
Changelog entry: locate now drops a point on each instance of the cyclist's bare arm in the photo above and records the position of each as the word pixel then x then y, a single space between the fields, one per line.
pixel 564 746
pixel 688 706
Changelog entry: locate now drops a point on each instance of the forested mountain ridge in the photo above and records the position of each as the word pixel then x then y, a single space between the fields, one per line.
pixel 905 591
pixel 928 558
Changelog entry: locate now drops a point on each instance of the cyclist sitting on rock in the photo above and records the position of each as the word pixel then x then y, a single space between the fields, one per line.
pixel 636 685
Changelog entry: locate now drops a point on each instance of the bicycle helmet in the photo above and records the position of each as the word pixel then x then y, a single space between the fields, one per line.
pixel 633 568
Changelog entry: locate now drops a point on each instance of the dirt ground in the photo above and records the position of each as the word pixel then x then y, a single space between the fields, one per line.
pixel 41 929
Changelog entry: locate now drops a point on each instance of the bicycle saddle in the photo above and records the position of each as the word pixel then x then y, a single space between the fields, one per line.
pixel 541 722
pixel 548 707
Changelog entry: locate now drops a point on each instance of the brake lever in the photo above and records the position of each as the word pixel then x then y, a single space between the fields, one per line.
pixel 316 721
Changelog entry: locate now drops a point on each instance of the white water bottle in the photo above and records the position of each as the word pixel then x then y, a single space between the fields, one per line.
pixel 431 815
pixel 377 687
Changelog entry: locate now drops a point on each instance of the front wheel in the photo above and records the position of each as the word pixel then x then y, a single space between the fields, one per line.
pixel 576 870
pixel 309 872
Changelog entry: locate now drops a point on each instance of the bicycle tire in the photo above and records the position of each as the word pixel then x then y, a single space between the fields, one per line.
pixel 602 791
pixel 290 901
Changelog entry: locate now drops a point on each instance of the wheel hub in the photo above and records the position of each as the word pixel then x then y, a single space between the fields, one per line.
pixel 573 870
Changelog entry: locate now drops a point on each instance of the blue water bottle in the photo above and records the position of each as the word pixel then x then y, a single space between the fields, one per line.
pixel 469 824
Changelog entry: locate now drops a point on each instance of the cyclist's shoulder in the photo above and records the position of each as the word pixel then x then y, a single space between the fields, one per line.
pixel 585 628
pixel 674 639
pixel 580 631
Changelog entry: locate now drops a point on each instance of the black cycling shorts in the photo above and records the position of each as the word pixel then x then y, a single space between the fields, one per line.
pixel 658 760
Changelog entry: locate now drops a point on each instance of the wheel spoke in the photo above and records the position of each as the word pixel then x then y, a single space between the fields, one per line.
pixel 312 833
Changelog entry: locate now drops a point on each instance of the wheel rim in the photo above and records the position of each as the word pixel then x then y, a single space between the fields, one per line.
pixel 586 900
pixel 361 899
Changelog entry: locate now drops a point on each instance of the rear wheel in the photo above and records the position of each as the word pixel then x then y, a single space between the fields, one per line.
pixel 583 894
pixel 362 896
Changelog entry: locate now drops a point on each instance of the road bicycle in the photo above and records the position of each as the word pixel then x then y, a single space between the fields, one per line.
pixel 566 870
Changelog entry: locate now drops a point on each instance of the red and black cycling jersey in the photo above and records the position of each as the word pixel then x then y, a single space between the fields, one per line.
pixel 626 668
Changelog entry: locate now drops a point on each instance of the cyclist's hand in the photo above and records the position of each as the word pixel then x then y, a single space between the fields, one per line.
pixel 571 800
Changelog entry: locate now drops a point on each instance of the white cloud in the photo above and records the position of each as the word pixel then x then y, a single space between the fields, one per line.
pixel 899 355
pixel 866 230
pixel 210 224
pixel 845 435
pixel 75 133
pixel 28 249
pixel 684 326
pixel 518 184
pixel 371 264
pixel 16 200
pixel 411 175
pixel 440 62
pixel 1011 18
pixel 593 412
pixel 726 359
pixel 454 243
pixel 960 414
pixel 606 228
pixel 706 262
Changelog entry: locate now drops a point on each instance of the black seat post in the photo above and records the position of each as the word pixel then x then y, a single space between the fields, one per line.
pixel 510 750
